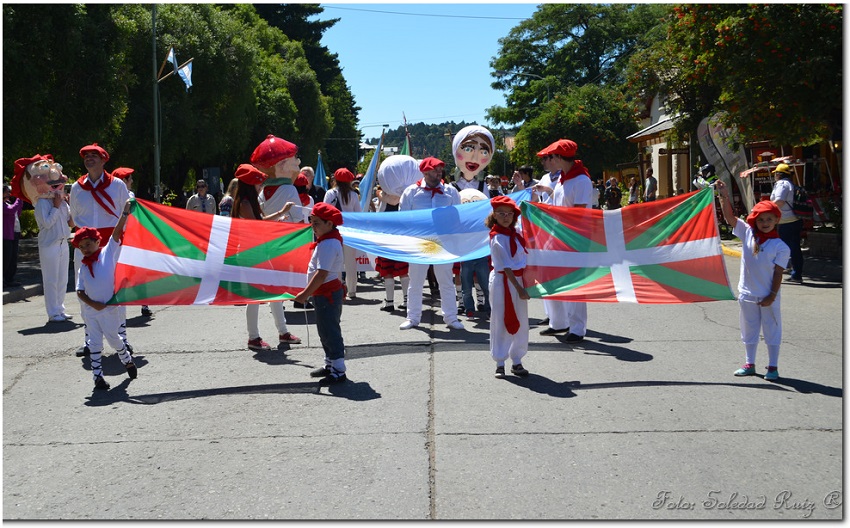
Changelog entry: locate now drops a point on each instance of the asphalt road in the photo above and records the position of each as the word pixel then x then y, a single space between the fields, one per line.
pixel 642 420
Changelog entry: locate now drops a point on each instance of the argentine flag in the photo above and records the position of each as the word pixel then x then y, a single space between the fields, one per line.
pixel 441 235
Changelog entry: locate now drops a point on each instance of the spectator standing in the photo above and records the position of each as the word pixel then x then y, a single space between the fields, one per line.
pixel 634 191
pixel 317 193
pixel 226 203
pixel 790 225
pixel 201 201
pixel 11 209
pixel 650 188
pixel 523 178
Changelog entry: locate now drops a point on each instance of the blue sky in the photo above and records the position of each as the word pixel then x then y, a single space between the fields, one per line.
pixel 429 61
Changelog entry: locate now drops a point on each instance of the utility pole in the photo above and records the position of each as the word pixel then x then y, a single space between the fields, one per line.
pixel 156 188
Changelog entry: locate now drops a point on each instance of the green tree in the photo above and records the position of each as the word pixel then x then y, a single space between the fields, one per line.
pixel 775 69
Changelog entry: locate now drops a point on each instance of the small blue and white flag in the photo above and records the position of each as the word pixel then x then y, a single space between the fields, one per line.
pixel 185 73
pixel 172 58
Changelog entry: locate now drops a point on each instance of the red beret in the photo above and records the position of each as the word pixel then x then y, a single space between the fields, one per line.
pixel 343 175
pixel 504 201
pixel 84 233
pixel 300 181
pixel 94 147
pixel 429 164
pixel 249 174
pixel 122 173
pixel 563 147
pixel 764 206
pixel 271 151
pixel 327 212
pixel 21 165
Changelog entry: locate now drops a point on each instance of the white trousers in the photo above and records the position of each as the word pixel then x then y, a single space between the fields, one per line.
pixel 558 313
pixel 503 344
pixel 122 323
pixel 755 318
pixel 348 254
pixel 54 260
pixel 448 302
pixel 252 314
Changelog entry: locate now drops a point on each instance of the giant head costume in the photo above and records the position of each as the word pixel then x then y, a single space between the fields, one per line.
pixel 473 148
pixel 278 159
pixel 38 177
pixel 397 173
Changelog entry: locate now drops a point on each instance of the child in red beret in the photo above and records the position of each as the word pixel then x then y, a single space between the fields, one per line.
pixel 95 282
pixel 763 259
pixel 325 287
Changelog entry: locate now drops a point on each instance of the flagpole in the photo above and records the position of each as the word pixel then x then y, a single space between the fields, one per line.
pixel 167 75
pixel 156 189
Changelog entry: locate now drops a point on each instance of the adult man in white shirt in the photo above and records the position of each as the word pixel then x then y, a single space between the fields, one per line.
pixel 428 193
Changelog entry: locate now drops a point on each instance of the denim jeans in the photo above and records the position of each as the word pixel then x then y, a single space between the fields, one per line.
pixel 790 233
pixel 481 268
pixel 327 324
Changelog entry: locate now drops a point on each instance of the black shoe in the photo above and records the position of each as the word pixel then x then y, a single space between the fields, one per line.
pixel 519 370
pixel 128 347
pixel 461 310
pixel 544 322
pixel 146 312
pixel 387 307
pixel 84 352
pixel 500 372
pixel 332 380
pixel 794 280
pixel 320 372
pixel 554 331
pixel 12 284
pixel 100 383
pixel 131 370
pixel 573 338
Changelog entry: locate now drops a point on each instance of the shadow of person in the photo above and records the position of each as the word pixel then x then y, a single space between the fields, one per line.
pixel 111 363
pixel 544 385
pixel 601 349
pixel 52 328
pixel 808 387
pixel 354 391
pixel 115 394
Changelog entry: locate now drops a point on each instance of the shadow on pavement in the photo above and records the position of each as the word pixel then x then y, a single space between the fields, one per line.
pixel 52 328
pixel 567 389
pixel 111 364
pixel 807 387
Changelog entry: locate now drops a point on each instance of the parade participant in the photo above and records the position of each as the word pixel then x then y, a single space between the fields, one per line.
pixel 509 324
pixel 201 201
pixel 306 200
pixel 278 160
pixel 427 193
pixel 573 188
pixel 96 199
pixel 125 174
pixel 325 287
pixel 12 207
pixel 790 225
pixel 95 282
pixel 763 260
pixel 246 205
pixel 473 148
pixel 475 268
pixel 225 206
pixel 53 216
pixel 343 197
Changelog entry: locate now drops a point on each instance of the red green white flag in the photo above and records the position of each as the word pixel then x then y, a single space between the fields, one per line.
pixel 661 252
pixel 174 256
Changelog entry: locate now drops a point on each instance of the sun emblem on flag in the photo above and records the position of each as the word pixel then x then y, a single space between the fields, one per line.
pixel 430 246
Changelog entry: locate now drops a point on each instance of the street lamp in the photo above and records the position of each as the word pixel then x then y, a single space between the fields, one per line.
pixel 504 72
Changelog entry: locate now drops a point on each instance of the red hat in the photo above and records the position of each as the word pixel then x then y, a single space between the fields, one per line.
pixel 327 212
pixel 94 147
pixel 504 201
pixel 122 173
pixel 300 181
pixel 249 174
pixel 21 165
pixel 563 147
pixel 343 175
pixel 84 233
pixel 272 150
pixel 764 206
pixel 429 164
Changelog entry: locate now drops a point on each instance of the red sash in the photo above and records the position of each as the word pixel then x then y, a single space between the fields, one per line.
pixel 333 235
pixel 327 289
pixel 511 321
pixel 305 199
pixel 268 191
pixel 99 193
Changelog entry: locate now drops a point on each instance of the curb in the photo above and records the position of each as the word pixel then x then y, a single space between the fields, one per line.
pixel 19 294
pixel 731 252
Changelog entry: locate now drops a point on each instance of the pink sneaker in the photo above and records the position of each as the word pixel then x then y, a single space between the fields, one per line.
pixel 258 345
pixel 289 339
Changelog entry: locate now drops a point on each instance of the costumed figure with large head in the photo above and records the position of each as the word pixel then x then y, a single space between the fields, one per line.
pixel 473 148
pixel 278 159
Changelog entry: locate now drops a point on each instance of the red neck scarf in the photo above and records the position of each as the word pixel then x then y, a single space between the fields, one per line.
pixel 511 233
pixel 432 190
pixel 305 199
pixel 99 193
pixel 90 260
pixel 334 234
pixel 269 190
pixel 761 238
pixel 577 170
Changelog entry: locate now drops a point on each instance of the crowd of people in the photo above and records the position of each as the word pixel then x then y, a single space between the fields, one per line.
pixel 274 187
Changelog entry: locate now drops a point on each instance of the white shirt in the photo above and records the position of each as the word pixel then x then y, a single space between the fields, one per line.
pixel 100 286
pixel 327 256
pixel 578 190
pixel 462 184
pixel 52 222
pixel 334 198
pixel 500 254
pixel 784 190
pixel 86 212
pixel 275 202
pixel 757 270
pixel 416 197
pixel 202 205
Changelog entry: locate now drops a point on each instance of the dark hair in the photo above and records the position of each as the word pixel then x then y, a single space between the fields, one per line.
pixel 490 221
pixel 526 169
pixel 344 189
pixel 247 192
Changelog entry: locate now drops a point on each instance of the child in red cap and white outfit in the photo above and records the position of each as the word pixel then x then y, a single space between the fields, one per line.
pixel 325 287
pixel 508 298
pixel 763 259
pixel 95 283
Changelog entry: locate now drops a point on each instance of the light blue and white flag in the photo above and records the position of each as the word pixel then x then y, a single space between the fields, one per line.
pixel 185 73
pixel 320 179
pixel 172 58
pixel 368 181
pixel 428 236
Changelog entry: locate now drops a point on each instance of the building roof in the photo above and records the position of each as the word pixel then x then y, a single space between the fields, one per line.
pixel 652 131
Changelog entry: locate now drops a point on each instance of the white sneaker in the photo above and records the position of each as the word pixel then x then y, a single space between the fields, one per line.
pixel 56 319
pixel 456 325
pixel 67 317
pixel 407 325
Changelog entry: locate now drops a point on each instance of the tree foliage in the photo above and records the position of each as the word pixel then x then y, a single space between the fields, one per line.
pixel 775 69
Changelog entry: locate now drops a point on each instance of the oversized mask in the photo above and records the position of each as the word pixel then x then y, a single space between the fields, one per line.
pixel 41 178
pixel 397 173
pixel 473 148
